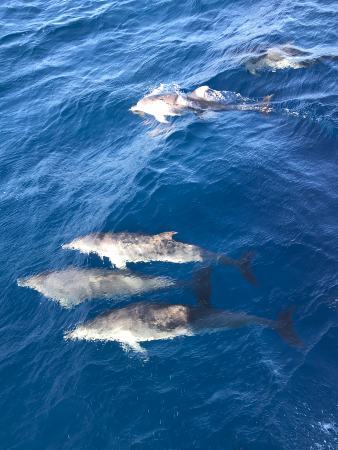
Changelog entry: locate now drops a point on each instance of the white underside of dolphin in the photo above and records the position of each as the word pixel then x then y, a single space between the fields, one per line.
pixel 176 104
pixel 161 110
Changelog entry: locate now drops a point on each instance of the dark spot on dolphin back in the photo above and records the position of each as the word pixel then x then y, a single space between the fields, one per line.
pixel 169 247
pixel 165 317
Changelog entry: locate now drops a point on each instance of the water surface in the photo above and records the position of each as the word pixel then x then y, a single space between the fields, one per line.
pixel 75 160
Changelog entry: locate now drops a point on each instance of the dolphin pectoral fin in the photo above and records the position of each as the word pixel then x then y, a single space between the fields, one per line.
pixel 168 235
pixel 160 118
pixel 244 264
pixel 284 327
pixel 202 286
pixel 134 346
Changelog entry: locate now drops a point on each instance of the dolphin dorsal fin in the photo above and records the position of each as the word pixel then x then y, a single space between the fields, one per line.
pixel 200 91
pixel 167 234
pixel 267 98
pixel 160 118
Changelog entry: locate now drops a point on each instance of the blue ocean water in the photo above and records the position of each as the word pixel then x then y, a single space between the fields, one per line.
pixel 75 160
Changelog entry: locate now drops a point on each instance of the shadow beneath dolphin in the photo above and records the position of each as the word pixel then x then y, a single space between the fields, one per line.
pixel 283 325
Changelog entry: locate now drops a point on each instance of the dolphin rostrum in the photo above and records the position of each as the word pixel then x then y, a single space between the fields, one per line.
pixel 284 57
pixel 123 248
pixel 145 321
pixel 73 285
pixel 201 99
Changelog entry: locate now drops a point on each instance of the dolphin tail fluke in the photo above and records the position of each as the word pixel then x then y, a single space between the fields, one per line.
pixel 244 264
pixel 284 327
pixel 201 286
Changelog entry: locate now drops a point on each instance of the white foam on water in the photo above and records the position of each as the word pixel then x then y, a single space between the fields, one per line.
pixel 165 88
pixel 328 427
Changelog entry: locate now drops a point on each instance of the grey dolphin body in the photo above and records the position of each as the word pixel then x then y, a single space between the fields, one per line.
pixel 123 248
pixel 201 99
pixel 142 322
pixel 73 285
pixel 284 57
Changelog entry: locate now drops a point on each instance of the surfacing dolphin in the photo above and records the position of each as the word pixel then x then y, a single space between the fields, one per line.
pixel 123 248
pixel 72 286
pixel 141 322
pixel 284 57
pixel 198 101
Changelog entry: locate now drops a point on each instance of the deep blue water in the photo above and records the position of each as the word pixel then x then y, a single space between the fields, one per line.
pixel 75 160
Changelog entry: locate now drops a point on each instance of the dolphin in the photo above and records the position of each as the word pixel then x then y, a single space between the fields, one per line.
pixel 284 57
pixel 200 100
pixel 142 322
pixel 123 248
pixel 72 286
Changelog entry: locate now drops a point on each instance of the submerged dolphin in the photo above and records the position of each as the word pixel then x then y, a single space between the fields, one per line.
pixel 122 248
pixel 283 57
pixel 201 99
pixel 142 322
pixel 72 286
